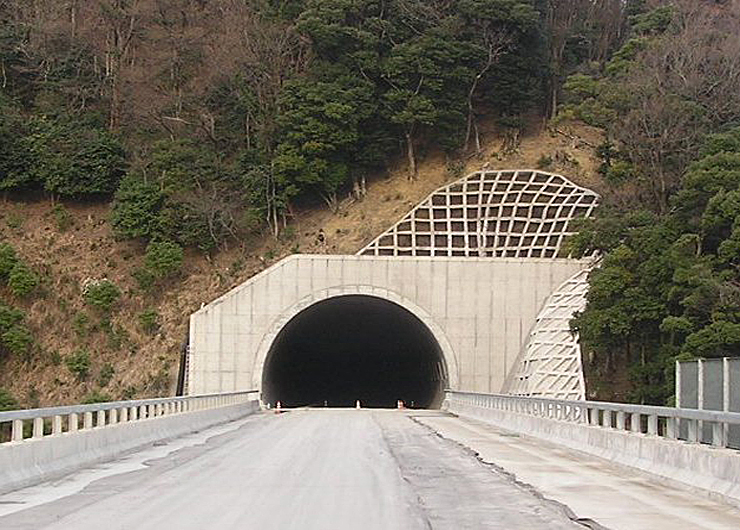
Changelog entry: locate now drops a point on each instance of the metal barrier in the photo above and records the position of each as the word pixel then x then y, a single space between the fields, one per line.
pixel 664 422
pixel 33 424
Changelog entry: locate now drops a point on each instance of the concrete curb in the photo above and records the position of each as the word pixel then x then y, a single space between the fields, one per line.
pixel 30 462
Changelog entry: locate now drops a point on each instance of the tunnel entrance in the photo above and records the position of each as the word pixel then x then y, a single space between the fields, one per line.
pixel 354 347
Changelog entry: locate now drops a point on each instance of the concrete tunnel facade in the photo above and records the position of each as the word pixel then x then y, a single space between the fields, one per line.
pixel 421 324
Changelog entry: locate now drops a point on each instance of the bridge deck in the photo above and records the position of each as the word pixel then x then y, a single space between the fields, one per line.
pixel 367 469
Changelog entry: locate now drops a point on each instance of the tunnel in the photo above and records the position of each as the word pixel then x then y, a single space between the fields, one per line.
pixel 351 348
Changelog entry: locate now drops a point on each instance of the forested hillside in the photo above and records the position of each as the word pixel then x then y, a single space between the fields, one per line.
pixel 161 135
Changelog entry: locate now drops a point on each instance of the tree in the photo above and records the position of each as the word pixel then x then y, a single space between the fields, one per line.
pixel 137 205
pixel 322 126
pixel 669 284
pixel 72 159
pixel 427 76
pixel 14 159
pixel 676 81
pixel 121 20
pixel 494 28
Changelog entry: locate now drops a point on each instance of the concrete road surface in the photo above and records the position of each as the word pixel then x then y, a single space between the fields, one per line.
pixel 321 469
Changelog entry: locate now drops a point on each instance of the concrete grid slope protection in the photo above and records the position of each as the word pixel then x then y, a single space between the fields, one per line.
pixel 476 265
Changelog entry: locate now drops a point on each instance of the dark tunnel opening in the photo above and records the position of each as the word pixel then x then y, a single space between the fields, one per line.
pixel 354 348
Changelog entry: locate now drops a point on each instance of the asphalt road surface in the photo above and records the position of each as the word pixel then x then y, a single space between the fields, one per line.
pixel 305 469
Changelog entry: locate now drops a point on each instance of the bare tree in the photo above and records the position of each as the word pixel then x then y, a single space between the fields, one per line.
pixel 684 86
pixel 495 41
pixel 562 17
pixel 122 19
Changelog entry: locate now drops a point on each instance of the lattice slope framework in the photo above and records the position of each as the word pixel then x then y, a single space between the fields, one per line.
pixel 550 363
pixel 513 213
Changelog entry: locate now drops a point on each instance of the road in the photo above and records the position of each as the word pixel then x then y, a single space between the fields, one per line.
pixel 305 469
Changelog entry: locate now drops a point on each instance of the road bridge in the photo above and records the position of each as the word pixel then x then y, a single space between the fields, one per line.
pixel 482 462
pixel 461 310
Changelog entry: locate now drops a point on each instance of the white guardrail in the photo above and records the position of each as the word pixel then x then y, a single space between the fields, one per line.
pixel 664 422
pixel 32 424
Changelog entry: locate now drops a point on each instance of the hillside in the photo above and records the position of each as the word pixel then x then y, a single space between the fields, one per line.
pixel 145 364
pixel 154 154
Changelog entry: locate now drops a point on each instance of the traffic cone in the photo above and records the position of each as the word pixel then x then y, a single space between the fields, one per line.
pixel 357 405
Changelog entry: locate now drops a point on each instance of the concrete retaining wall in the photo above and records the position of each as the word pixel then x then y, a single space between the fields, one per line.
pixel 32 461
pixel 711 470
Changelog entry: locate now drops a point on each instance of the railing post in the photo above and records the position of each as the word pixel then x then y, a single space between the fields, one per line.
pixel 635 423
pixel 124 415
pixel 671 428
pixel 718 434
pixel 87 420
pixel 607 418
pixel 73 422
pixel 56 425
pixel 101 419
pixel 38 427
pixel 620 420
pixel 693 428
pixel 134 413
pixel 112 416
pixel 725 397
pixel 17 434
pixel 653 424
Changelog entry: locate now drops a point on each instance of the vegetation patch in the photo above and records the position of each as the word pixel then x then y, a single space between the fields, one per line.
pixel 79 364
pixel 149 321
pixel 15 337
pixel 101 294
pixel 7 401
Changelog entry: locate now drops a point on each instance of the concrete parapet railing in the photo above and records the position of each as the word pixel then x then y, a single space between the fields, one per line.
pixel 665 422
pixel 663 441
pixel 46 443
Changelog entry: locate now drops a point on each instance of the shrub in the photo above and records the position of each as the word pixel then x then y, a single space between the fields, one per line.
pixel 8 260
pixel 62 217
pixel 22 280
pixel 96 396
pixel 80 325
pixel 79 364
pixel 163 258
pixel 15 336
pixel 106 374
pixel 17 340
pixel 145 278
pixel 9 317
pixel 136 208
pixel 101 294
pixel 544 162
pixel 7 401
pixel 149 321
pixel 117 336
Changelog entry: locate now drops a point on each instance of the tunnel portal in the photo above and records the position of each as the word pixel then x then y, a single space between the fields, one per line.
pixel 354 347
